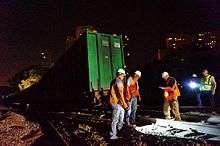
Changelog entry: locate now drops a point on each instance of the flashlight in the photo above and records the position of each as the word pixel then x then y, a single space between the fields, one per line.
pixel 193 85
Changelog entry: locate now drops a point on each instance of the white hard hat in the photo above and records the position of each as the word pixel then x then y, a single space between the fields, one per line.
pixel 121 71
pixel 138 73
pixel 164 74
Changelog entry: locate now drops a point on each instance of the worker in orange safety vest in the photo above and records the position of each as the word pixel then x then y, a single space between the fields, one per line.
pixel 118 103
pixel 132 97
pixel 171 94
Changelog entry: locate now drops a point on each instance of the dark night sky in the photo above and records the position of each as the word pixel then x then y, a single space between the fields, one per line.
pixel 28 26
pixel 46 23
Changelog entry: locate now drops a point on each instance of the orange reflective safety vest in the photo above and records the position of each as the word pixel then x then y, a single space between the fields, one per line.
pixel 172 92
pixel 117 93
pixel 132 89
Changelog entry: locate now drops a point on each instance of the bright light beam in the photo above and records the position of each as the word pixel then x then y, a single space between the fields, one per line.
pixel 193 85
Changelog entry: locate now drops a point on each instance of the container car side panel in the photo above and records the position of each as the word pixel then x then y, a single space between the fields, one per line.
pixel 116 54
pixel 93 61
pixel 104 61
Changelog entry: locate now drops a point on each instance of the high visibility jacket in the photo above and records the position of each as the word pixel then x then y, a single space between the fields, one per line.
pixel 206 84
pixel 117 93
pixel 132 89
pixel 172 92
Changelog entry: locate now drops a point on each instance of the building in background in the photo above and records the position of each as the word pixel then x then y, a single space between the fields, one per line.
pixel 175 41
pixel 200 40
pixel 205 39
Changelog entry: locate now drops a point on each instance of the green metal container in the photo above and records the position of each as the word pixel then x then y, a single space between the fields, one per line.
pixel 105 56
pixel 90 63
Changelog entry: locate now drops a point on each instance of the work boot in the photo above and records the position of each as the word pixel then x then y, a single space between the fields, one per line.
pixel 114 137
pixel 214 113
pixel 131 126
pixel 168 118
pixel 133 123
pixel 178 118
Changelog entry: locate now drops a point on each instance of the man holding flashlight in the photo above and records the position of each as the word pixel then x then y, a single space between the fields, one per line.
pixel 194 86
pixel 171 94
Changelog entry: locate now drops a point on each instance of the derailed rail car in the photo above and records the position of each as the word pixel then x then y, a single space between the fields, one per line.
pixel 88 65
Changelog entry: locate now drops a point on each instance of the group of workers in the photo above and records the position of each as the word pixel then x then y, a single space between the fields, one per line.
pixel 123 100
pixel 124 97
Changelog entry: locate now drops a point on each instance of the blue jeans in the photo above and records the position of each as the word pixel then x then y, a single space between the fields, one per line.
pixel 131 113
pixel 117 119
pixel 204 97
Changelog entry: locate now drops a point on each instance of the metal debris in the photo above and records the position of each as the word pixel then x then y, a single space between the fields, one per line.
pixel 201 133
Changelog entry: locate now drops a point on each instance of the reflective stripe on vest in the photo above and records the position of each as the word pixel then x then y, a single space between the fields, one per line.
pixel 206 84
